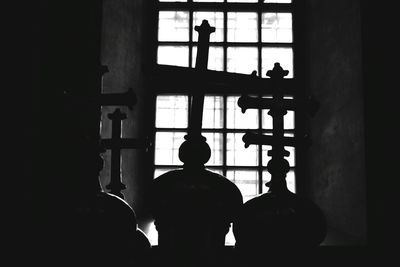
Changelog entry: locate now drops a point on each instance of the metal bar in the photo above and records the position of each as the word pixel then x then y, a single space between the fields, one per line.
pixel 217 82
pixel 250 138
pixel 273 7
pixel 230 44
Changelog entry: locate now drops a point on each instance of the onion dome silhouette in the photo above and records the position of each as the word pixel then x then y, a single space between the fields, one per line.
pixel 97 228
pixel 278 218
pixel 193 205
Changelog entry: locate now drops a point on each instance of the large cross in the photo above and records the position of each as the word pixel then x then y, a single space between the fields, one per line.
pixel 116 144
pixel 278 166
pixel 195 152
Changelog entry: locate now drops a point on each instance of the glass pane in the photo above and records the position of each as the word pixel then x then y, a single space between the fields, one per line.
pixel 276 27
pixel 282 55
pixel 265 157
pixel 214 140
pixel 173 26
pixel 208 1
pixel 242 27
pixel 292 156
pixel 277 1
pixel 216 170
pixel 167 147
pixel 288 120
pixel 246 181
pixel 230 238
pixel 215 19
pixel 172 0
pixel 161 171
pixel 267 121
pixel 237 154
pixel 290 181
pixel 173 55
pixel 213 113
pixel 243 1
pixel 171 111
pixel 238 120
pixel 152 234
pixel 215 58
pixel 242 59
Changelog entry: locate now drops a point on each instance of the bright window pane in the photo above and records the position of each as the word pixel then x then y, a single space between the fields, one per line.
pixel 277 1
pixel 237 154
pixel 292 156
pixel 167 147
pixel 276 27
pixel 215 19
pixel 216 170
pixel 214 140
pixel 171 111
pixel 173 55
pixel 152 234
pixel 242 27
pixel 173 26
pixel 290 181
pixel 160 171
pixel 213 112
pixel 288 120
pixel 215 58
pixel 242 59
pixel 243 1
pixel 238 120
pixel 267 122
pixel 230 238
pixel 284 56
pixel 208 1
pixel 246 181
pixel 265 157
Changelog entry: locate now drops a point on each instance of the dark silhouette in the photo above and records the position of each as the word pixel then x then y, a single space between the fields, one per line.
pixel 193 207
pixel 278 219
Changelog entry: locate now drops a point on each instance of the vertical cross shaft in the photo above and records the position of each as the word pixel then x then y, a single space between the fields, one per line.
pixel 195 152
pixel 115 184
pixel 196 115
pixel 278 166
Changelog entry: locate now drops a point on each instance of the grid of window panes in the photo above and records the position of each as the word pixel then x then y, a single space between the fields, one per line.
pixel 223 126
pixel 250 35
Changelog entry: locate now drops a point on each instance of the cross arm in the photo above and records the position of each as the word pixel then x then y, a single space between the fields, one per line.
pixel 175 79
pixel 250 138
pixel 309 105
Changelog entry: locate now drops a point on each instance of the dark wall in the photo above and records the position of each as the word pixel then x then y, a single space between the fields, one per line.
pixel 124 51
pixel 336 159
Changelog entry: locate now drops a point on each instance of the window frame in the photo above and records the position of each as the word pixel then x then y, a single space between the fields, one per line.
pixel 225 7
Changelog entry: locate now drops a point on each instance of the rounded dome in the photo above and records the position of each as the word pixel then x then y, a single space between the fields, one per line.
pixel 195 193
pixel 285 219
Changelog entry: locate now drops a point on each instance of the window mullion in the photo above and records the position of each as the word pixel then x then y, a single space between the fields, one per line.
pixel 190 36
pixel 224 137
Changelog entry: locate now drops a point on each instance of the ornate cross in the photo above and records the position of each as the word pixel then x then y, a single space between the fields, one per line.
pixel 115 144
pixel 195 151
pixel 278 166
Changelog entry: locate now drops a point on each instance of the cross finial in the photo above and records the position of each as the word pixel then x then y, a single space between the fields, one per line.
pixel 204 28
pixel 277 72
pixel 117 115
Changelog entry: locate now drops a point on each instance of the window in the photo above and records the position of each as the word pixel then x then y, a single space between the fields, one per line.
pixel 250 35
